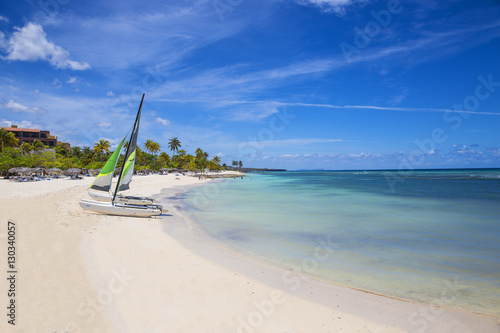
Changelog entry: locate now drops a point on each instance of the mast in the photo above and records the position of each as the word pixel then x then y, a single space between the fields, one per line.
pixel 136 124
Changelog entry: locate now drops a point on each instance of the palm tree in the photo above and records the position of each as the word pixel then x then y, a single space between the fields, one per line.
pixel 201 158
pixel 26 147
pixel 101 147
pixel 216 160
pixel 174 144
pixel 152 147
pixel 38 145
pixel 212 165
pixel 62 150
pixel 8 139
pixel 240 164
pixel 199 153
pixel 148 145
pixel 235 163
pixel 87 154
pixel 164 159
pixel 76 151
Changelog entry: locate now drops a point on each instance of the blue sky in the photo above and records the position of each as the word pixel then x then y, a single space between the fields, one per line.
pixel 296 84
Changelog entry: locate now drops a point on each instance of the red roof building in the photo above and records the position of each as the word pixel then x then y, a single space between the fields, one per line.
pixel 30 135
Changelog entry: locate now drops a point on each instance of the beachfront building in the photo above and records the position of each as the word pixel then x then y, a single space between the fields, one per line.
pixel 66 145
pixel 29 135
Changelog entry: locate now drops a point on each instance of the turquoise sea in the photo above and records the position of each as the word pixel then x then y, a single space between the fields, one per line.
pixel 430 236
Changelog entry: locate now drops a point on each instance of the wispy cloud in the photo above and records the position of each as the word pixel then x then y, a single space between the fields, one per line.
pixel 103 124
pixel 333 106
pixel 30 43
pixel 162 37
pixel 294 142
pixel 3 41
pixel 455 155
pixel 224 83
pixel 252 113
pixel 336 6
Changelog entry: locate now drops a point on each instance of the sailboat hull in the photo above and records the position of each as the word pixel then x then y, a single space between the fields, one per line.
pixel 120 208
pixel 106 197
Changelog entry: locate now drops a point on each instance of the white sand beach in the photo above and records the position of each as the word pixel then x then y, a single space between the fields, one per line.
pixel 84 272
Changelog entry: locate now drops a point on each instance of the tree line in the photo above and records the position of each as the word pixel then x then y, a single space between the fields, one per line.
pixel 149 158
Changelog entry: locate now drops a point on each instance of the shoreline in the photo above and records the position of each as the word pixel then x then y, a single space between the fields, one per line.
pixel 322 291
pixel 83 271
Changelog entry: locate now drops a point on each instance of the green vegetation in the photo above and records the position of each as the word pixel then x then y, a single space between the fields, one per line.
pixel 7 139
pixel 151 158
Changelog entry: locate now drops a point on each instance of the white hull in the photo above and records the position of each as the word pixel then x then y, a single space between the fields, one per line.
pixel 120 208
pixel 106 197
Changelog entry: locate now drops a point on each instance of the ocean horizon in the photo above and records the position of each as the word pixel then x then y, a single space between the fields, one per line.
pixel 428 236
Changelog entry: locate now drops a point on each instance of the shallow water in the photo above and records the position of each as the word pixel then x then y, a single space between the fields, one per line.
pixel 429 236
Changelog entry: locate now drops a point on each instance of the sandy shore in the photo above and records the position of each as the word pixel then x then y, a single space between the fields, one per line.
pixel 84 272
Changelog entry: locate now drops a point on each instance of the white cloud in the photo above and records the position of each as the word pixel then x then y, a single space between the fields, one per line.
pixel 290 156
pixel 72 79
pixel 110 94
pixel 256 113
pixel 328 6
pixel 20 124
pixel 29 43
pixel 17 107
pixel 363 155
pixel 3 42
pixel 293 142
pixel 164 122
pixel 3 18
pixel 56 83
pixel 103 124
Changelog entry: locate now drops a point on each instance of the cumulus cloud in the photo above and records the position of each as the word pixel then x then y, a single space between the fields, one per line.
pixel 164 122
pixel 30 43
pixel 17 107
pixel 72 79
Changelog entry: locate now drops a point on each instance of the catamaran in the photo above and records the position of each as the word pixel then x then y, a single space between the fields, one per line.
pixel 114 203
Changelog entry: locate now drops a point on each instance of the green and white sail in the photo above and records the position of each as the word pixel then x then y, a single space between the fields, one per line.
pixel 129 161
pixel 103 180
pixel 128 171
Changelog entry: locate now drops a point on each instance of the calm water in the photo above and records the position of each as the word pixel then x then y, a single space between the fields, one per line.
pixel 430 236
